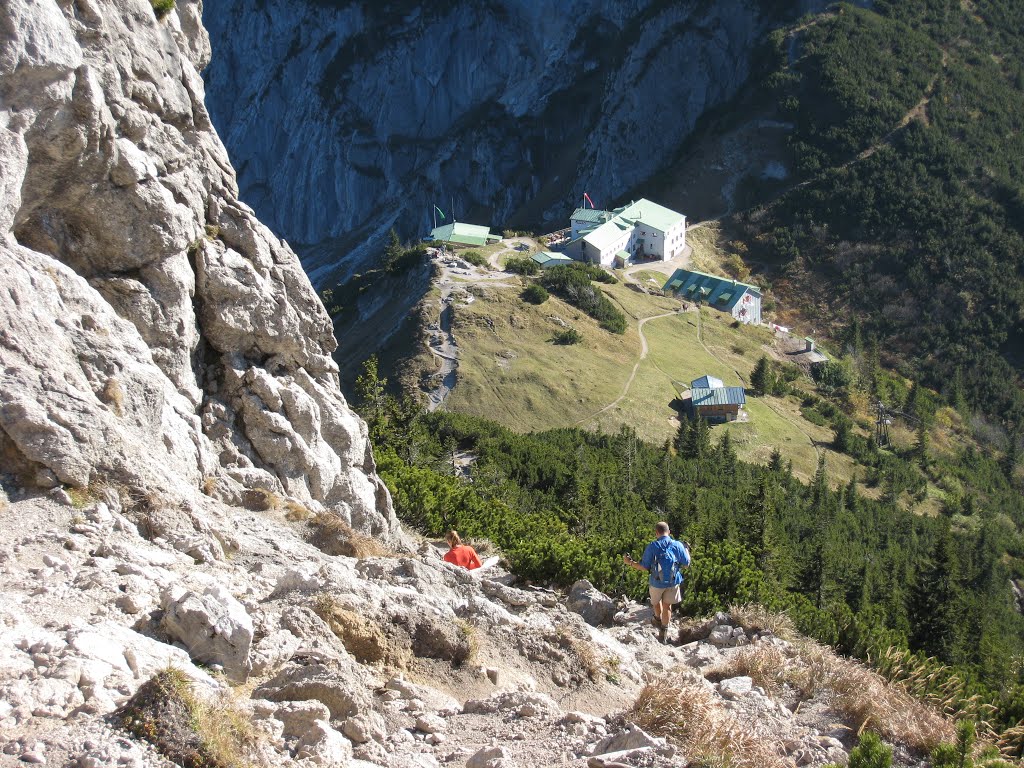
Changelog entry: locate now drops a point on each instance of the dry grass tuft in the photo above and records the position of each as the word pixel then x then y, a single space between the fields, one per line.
pixel 333 535
pixel 588 659
pixel 692 718
pixel 765 664
pixel 81 497
pixel 756 618
pixel 935 684
pixel 868 700
pixel 471 637
pixel 693 629
pixel 113 395
pixel 296 512
pixel 268 501
pixel 811 673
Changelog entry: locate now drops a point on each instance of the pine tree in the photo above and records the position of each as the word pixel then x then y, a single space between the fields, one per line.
pixel 393 250
pixel 841 435
pixel 775 462
pixel 370 388
pixel 682 438
pixel 955 395
pixel 1012 455
pixel 921 446
pixel 726 456
pixel 870 753
pixel 936 603
pixel 819 486
pixel 760 377
pixel 698 440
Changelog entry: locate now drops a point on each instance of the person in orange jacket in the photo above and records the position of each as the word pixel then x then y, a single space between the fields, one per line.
pixel 460 554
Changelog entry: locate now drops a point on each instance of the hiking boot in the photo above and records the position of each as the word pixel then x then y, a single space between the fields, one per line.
pixel 662 634
pixel 655 622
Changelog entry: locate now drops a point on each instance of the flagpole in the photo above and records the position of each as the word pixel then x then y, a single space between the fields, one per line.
pixel 433 210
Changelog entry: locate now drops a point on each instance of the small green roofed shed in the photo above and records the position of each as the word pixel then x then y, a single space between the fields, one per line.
pixel 547 259
pixel 463 234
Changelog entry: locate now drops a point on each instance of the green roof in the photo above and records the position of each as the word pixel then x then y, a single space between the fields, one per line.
pixel 646 212
pixel 721 291
pixel 718 396
pixel 624 254
pixel 592 215
pixel 604 236
pixel 460 232
pixel 547 258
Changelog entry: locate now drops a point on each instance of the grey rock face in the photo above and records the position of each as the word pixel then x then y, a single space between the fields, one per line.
pixel 513 108
pixel 153 333
pixel 594 606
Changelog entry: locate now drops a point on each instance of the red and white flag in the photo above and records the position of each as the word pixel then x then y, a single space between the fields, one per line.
pixel 587 198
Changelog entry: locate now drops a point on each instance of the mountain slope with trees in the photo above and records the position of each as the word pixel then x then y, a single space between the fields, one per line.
pixel 908 217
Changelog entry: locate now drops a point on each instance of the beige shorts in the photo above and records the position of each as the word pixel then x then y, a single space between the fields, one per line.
pixel 670 595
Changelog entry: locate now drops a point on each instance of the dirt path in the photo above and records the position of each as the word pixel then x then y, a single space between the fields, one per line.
pixel 443 347
pixel 441 337
pixel 636 366
pixel 513 245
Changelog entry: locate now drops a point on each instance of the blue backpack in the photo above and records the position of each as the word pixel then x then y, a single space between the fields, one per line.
pixel 666 564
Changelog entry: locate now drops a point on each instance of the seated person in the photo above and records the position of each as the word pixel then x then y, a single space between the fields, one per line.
pixel 460 554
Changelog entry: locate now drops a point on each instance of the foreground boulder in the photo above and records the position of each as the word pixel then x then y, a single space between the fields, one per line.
pixel 213 626
pixel 596 608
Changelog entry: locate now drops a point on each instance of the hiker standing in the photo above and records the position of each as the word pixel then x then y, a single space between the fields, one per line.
pixel 460 554
pixel 663 560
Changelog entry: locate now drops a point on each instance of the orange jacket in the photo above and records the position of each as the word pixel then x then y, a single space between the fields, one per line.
pixel 464 556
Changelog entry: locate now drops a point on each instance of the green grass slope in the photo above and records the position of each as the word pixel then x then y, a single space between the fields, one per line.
pixel 512 371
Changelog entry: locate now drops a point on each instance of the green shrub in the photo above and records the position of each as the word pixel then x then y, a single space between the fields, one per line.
pixel 568 336
pixel 521 266
pixel 573 284
pixel 406 259
pixel 475 258
pixel 870 753
pixel 162 7
pixel 535 293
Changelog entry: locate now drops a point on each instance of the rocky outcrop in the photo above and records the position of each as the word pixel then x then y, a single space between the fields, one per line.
pixel 594 606
pixel 155 337
pixel 510 109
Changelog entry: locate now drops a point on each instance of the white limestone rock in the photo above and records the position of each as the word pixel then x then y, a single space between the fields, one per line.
pixel 736 687
pixel 145 308
pixel 324 746
pixel 213 626
pixel 297 717
pixel 273 650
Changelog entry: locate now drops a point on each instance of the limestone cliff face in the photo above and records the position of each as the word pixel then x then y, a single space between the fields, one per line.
pixel 354 118
pixel 153 333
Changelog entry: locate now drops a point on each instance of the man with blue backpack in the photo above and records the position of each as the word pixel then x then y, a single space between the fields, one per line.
pixel 663 560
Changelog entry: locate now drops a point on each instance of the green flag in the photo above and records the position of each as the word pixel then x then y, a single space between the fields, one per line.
pixel 440 212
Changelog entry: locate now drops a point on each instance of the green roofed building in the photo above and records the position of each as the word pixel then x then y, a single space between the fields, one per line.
pixel 740 300
pixel 713 401
pixel 460 233
pixel 642 230
pixel 547 259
